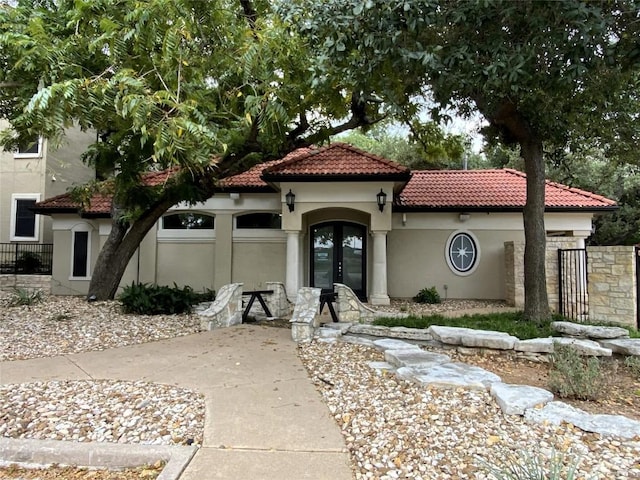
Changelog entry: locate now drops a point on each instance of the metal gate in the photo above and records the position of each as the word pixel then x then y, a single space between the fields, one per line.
pixel 573 300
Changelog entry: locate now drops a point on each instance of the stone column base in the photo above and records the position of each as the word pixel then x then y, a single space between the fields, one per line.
pixel 379 299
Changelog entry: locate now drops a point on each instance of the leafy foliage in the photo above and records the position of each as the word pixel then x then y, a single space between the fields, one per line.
pixel 25 297
pixel 428 295
pixel 573 376
pixel 508 322
pixel 145 299
pixel 28 262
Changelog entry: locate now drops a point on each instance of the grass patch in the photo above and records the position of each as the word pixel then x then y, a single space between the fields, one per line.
pixel 508 322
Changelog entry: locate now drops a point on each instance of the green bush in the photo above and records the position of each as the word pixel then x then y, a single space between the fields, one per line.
pixel 428 295
pixel 24 296
pixel 145 299
pixel 574 376
pixel 28 262
pixel 633 365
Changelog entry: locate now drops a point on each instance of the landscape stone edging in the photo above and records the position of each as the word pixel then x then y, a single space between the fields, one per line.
pixel 508 397
pixel 95 454
pixel 534 349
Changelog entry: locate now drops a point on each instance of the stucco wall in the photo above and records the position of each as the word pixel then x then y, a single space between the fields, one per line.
pixel 417 260
pixel 52 173
pixel 186 264
pixel 254 264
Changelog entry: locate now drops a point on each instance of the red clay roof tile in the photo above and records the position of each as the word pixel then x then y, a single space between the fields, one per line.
pixel 441 189
pixel 335 160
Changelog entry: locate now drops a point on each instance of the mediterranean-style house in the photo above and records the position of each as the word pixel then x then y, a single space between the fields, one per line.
pixel 329 215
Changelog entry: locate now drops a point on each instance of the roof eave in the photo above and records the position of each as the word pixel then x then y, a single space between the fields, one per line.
pixel 492 209
pixel 391 177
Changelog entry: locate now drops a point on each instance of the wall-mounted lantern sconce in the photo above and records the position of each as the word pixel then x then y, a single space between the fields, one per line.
pixel 381 198
pixel 234 196
pixel 464 217
pixel 290 198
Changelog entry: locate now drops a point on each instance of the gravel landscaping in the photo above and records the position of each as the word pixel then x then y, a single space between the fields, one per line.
pixel 393 428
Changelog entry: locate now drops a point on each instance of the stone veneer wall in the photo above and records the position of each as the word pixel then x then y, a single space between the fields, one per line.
pixel 612 285
pixel 31 282
pixel 514 276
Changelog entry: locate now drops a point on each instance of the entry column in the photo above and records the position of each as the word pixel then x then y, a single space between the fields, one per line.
pixel 292 279
pixel 379 275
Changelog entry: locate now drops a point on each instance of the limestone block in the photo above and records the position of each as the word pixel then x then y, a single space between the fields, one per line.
pixel 324 332
pixel 226 310
pixel 557 412
pixel 366 329
pixel 307 305
pixel 624 346
pixel 356 340
pixel 472 338
pixel 344 327
pixel 589 331
pixel 451 375
pixel 410 333
pixel 302 332
pixel 415 358
pixel 515 399
pixel 545 345
pixel 277 302
pixel 381 367
pixel 394 344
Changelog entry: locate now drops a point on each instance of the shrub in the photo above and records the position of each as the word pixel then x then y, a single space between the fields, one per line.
pixel 524 466
pixel 28 262
pixel 633 365
pixel 428 295
pixel 145 299
pixel 24 296
pixel 574 376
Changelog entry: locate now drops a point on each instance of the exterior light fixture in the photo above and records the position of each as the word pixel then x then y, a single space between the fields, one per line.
pixel 290 198
pixel 381 198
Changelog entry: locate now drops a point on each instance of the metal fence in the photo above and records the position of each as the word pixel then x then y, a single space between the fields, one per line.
pixel 26 258
pixel 572 283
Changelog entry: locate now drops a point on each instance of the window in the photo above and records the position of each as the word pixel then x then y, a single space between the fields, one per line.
pixel 24 222
pixel 462 252
pixel 188 221
pixel 30 149
pixel 259 220
pixel 81 252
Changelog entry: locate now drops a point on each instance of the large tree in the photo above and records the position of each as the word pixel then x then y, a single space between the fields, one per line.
pixel 201 89
pixel 543 74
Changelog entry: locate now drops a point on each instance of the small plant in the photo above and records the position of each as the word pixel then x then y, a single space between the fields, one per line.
pixel 573 376
pixel 524 466
pixel 24 296
pixel 633 365
pixel 428 295
pixel 28 262
pixel 145 299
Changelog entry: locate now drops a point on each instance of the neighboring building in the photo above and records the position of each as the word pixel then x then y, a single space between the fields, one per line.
pixel 332 215
pixel 34 173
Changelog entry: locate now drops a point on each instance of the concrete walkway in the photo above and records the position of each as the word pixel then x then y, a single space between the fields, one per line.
pixel 264 418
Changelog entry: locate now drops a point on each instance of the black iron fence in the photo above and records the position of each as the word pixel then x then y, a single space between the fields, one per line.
pixel 572 283
pixel 26 258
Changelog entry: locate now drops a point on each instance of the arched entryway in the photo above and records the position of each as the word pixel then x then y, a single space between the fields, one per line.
pixel 339 255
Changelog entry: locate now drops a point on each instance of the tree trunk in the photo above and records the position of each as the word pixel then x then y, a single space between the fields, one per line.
pixel 536 302
pixel 516 128
pixel 121 244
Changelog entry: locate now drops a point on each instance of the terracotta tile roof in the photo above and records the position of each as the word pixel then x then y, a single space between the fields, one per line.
pixel 488 189
pixel 252 177
pixel 335 161
pixel 100 205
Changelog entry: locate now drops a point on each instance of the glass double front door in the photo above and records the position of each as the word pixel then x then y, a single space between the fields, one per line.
pixel 339 256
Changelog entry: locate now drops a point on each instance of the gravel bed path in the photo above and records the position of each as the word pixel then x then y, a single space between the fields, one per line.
pixel 396 429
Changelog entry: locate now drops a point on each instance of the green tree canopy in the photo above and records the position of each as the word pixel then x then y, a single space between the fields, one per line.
pixel 209 87
pixel 543 74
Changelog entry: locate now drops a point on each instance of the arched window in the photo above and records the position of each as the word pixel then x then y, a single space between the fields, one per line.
pixel 462 252
pixel 259 220
pixel 188 221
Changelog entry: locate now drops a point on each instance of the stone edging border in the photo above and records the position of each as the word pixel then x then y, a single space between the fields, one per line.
pixel 95 454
